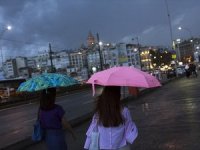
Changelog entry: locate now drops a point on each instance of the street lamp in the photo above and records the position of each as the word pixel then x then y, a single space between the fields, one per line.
pixel 9 27
pixel 100 43
pixel 178 50
pixel 94 69
pixel 186 29
pixel 4 29
pixel 99 50
pixel 196 54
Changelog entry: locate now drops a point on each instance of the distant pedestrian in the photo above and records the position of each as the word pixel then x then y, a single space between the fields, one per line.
pixel 187 71
pixel 53 121
pixel 113 121
pixel 192 68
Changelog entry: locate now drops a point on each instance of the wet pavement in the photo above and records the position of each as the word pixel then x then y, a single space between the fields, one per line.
pixel 167 119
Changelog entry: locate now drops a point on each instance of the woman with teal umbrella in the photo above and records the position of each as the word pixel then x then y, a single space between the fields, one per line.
pixel 52 118
pixel 46 80
pixel 51 115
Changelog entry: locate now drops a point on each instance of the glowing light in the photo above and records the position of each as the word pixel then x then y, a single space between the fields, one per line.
pixel 9 27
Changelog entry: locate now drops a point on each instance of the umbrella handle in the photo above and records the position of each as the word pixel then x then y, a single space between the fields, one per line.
pixel 93 89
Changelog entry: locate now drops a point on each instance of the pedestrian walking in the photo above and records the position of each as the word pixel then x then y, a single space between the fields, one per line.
pixel 113 122
pixel 192 68
pixel 53 121
pixel 187 71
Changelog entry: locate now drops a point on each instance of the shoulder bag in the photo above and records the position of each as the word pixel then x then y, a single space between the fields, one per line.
pixel 94 144
pixel 38 131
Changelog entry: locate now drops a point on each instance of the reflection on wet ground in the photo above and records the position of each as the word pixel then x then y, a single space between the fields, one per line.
pixel 169 118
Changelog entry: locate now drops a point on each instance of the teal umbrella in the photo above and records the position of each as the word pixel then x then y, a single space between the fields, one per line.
pixel 46 80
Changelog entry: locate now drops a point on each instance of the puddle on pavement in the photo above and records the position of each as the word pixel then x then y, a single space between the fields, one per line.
pixel 145 107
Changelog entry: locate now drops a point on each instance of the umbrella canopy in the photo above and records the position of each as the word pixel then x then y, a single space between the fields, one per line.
pixel 124 76
pixel 46 80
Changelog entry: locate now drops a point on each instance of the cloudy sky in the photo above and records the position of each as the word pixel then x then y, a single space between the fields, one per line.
pixel 66 23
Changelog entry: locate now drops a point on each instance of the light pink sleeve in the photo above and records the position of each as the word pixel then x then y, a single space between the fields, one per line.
pixel 89 131
pixel 131 132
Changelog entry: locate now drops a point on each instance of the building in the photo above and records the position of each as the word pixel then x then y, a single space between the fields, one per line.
pixel 155 58
pixel 120 54
pixel 42 60
pixel 133 55
pixel 8 88
pixel 21 62
pixel 93 59
pixel 197 53
pixel 188 50
pixel 31 62
pixel 61 60
pixel 76 63
pixel 24 72
pixel 110 56
pixel 76 59
pixel 10 68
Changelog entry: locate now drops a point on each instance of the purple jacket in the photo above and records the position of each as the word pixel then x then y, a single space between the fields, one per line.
pixel 52 119
pixel 114 137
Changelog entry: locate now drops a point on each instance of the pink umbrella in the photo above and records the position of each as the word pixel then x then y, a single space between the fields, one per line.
pixel 123 76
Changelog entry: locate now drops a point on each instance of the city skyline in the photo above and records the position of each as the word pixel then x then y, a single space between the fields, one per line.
pixel 66 24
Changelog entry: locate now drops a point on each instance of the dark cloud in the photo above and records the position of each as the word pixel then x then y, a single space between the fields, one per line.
pixel 66 23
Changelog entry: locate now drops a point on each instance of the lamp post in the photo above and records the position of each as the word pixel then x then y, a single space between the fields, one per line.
pixel 170 29
pixel 51 59
pixel 190 33
pixel 178 50
pixel 186 29
pixel 99 50
pixel 196 54
pixel 169 22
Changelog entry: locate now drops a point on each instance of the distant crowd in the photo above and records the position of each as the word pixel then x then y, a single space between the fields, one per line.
pixel 190 70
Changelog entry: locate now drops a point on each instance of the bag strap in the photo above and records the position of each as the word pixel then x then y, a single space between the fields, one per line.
pixel 96 126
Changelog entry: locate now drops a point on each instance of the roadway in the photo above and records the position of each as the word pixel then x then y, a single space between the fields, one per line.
pixel 17 122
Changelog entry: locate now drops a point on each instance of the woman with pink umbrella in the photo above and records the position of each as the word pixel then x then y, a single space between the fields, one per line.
pixel 123 76
pixel 112 126
pixel 112 121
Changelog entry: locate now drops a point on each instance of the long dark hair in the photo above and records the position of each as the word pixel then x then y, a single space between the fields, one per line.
pixel 108 107
pixel 47 99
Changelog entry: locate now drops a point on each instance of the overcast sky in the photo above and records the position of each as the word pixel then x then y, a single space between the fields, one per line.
pixel 66 23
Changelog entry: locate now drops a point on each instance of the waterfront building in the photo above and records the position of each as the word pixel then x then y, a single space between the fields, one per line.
pixel 10 68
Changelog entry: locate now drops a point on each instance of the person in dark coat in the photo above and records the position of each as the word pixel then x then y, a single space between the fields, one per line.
pixel 192 68
pixel 53 121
